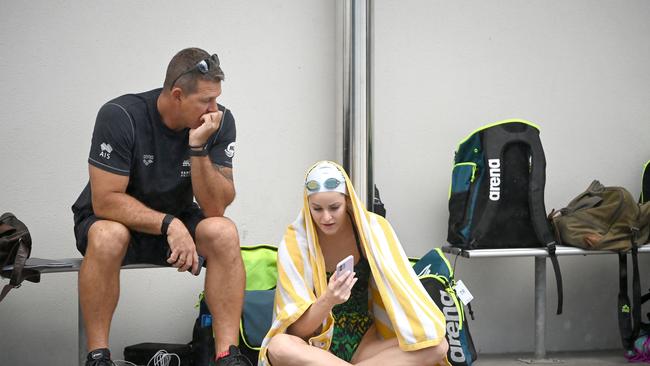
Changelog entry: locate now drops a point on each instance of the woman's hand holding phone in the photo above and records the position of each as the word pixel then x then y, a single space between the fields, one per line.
pixel 341 283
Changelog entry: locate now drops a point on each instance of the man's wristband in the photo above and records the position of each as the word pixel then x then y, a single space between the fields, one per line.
pixel 198 150
pixel 202 152
pixel 165 224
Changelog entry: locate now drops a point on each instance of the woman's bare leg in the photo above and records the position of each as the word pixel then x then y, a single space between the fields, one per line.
pixel 369 345
pixel 374 351
pixel 288 350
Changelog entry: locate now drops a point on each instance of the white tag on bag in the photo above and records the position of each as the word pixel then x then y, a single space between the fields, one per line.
pixel 463 293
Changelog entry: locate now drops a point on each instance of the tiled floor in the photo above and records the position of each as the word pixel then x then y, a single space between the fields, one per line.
pixel 595 358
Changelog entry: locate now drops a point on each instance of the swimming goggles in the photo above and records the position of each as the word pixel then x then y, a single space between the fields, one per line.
pixel 330 183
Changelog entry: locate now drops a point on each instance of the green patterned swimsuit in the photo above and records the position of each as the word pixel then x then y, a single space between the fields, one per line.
pixel 352 318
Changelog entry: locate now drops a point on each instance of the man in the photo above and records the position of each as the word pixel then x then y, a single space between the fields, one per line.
pixel 151 155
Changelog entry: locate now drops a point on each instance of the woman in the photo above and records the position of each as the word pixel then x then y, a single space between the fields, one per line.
pixel 380 313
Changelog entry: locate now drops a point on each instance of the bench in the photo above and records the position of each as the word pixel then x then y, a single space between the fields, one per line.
pixel 71 265
pixel 540 255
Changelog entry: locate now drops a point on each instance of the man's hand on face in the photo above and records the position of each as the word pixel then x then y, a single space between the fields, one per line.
pixel 210 124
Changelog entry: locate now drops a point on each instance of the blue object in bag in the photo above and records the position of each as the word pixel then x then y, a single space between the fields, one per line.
pixel 437 277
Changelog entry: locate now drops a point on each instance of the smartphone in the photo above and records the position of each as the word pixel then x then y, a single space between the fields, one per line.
pixel 347 264
pixel 201 261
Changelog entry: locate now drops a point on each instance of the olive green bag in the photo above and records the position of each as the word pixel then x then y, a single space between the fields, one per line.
pixel 609 218
pixel 602 218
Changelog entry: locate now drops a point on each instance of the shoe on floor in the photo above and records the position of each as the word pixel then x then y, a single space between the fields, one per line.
pixel 99 357
pixel 234 358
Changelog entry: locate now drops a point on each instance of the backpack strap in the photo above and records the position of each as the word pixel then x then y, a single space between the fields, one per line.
pixel 624 306
pixel 636 293
pixel 629 315
pixel 19 264
pixel 550 248
pixel 18 271
pixel 538 210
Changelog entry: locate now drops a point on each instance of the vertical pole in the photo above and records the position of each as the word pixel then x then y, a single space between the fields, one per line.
pixel 370 69
pixel 540 307
pixel 356 97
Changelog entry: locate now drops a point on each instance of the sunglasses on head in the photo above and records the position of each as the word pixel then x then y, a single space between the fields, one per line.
pixel 330 183
pixel 202 66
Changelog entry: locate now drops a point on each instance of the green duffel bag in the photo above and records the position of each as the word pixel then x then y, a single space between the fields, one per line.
pixel 602 218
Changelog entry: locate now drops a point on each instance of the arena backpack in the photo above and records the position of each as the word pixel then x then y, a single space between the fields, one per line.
pixel 437 277
pixel 496 197
pixel 15 248
pixel 609 218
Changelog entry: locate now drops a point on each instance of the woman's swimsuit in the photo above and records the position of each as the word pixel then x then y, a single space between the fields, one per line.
pixel 352 318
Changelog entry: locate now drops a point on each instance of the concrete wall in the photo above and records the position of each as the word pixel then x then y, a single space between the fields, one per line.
pixel 61 60
pixel 579 69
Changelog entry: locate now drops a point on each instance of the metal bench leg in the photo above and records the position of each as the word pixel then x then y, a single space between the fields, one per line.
pixel 540 307
pixel 540 314
pixel 82 336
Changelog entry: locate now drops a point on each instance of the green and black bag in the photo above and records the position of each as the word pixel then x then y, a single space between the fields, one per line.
pixel 496 197
pixel 609 218
pixel 437 277
pixel 257 313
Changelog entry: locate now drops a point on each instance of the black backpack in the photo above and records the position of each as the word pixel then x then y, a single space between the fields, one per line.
pixel 496 198
pixel 15 248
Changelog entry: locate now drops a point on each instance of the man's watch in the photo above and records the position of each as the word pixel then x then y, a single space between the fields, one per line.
pixel 202 152
pixel 165 224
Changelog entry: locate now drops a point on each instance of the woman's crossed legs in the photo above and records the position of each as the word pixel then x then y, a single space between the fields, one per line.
pixel 288 350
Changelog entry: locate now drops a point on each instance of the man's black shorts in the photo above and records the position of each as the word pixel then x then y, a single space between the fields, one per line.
pixel 144 248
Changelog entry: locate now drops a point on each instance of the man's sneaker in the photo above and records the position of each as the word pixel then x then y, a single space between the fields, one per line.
pixel 234 358
pixel 99 357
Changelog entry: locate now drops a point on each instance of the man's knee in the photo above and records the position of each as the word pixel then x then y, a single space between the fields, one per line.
pixel 108 239
pixel 218 236
pixel 280 348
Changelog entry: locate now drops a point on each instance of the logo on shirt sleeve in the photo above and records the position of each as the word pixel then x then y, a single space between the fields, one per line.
pixel 106 150
pixel 230 150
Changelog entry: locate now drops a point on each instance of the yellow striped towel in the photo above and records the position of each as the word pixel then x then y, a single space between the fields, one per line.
pixel 400 305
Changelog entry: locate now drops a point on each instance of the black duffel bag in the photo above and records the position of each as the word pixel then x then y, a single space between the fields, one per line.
pixel 15 248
